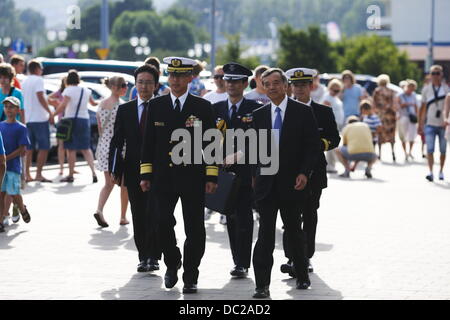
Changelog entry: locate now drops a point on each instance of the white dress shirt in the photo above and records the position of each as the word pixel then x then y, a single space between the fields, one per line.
pixel 182 99
pixel 140 104
pixel 230 111
pixel 282 106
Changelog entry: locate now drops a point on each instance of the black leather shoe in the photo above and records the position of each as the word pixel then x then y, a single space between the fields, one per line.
pixel 289 269
pixel 262 293
pixel 239 272
pixel 143 266
pixel 153 264
pixel 171 277
pixel 303 284
pixel 190 288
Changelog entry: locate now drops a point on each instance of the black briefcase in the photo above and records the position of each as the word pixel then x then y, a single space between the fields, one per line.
pixel 225 198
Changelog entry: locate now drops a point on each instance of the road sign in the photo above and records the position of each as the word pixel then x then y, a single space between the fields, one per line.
pixel 18 46
pixel 102 53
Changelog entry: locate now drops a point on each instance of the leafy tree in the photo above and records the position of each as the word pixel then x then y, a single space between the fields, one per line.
pixel 232 52
pixel 375 55
pixel 309 48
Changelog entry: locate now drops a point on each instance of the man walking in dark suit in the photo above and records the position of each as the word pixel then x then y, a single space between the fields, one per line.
pixel 294 132
pixel 171 179
pixel 302 83
pixel 128 130
pixel 236 113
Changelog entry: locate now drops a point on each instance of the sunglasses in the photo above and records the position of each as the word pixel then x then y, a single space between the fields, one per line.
pixel 336 91
pixel 218 76
pixel 435 73
pixel 123 85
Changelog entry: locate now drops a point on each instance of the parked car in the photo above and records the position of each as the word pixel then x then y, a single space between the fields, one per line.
pixel 97 77
pixel 99 92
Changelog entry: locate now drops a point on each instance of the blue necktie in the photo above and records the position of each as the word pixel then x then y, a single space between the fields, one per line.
pixel 277 125
pixel 278 122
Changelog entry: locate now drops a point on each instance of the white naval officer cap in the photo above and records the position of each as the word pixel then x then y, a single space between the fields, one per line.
pixel 300 74
pixel 179 64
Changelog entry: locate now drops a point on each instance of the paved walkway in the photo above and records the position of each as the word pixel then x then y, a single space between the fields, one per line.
pixel 387 238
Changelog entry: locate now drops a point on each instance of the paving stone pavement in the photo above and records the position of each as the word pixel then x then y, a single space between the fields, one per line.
pixel 385 238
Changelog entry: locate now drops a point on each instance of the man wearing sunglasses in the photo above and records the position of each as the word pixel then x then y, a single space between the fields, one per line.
pixel 431 118
pixel 220 94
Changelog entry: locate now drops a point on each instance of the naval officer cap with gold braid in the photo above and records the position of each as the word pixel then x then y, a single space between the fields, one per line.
pixel 300 75
pixel 179 65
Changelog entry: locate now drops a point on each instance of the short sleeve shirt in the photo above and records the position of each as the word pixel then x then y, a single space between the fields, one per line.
pixel 34 111
pixel 435 110
pixel 74 93
pixel 14 136
pixel 2 147
pixel 350 100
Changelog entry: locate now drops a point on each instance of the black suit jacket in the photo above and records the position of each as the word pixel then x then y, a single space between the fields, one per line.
pixel 244 122
pixel 329 139
pixel 126 132
pixel 156 162
pixel 298 150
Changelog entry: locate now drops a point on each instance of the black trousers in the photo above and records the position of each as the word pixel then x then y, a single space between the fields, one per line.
pixel 240 228
pixel 144 213
pixel 193 203
pixel 309 217
pixel 263 252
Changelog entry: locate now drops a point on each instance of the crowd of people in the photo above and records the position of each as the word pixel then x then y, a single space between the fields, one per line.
pixel 135 152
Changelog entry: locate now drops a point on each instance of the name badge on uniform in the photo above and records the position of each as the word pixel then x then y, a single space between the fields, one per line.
pixel 159 124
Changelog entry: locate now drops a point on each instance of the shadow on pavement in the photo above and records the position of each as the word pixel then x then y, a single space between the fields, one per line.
pixel 319 290
pixel 445 185
pixel 140 286
pixel 108 240
pixel 5 239
pixel 360 178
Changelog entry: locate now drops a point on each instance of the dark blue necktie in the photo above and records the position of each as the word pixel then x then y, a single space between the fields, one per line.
pixel 233 113
pixel 177 106
pixel 277 125
pixel 278 122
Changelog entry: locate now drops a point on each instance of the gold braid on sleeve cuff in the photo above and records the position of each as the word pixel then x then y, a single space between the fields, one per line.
pixel 326 144
pixel 146 168
pixel 212 171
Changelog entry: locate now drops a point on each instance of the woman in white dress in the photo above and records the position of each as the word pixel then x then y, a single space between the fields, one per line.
pixel 106 117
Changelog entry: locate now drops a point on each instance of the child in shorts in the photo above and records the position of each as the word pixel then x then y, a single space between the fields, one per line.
pixel 15 140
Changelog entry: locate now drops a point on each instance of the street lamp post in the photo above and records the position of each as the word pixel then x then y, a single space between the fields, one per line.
pixel 430 58
pixel 213 35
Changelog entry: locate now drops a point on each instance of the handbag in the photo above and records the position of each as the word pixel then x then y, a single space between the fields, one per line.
pixel 412 118
pixel 225 198
pixel 65 127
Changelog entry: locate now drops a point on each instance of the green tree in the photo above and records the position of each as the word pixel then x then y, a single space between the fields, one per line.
pixel 375 55
pixel 232 52
pixel 309 48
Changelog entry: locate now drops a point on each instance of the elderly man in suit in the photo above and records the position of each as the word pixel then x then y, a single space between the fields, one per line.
pixel 295 134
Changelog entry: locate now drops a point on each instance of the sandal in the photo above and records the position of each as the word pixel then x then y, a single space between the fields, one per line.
pixel 124 222
pixel 100 222
pixel 67 179
pixel 44 180
pixel 26 215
